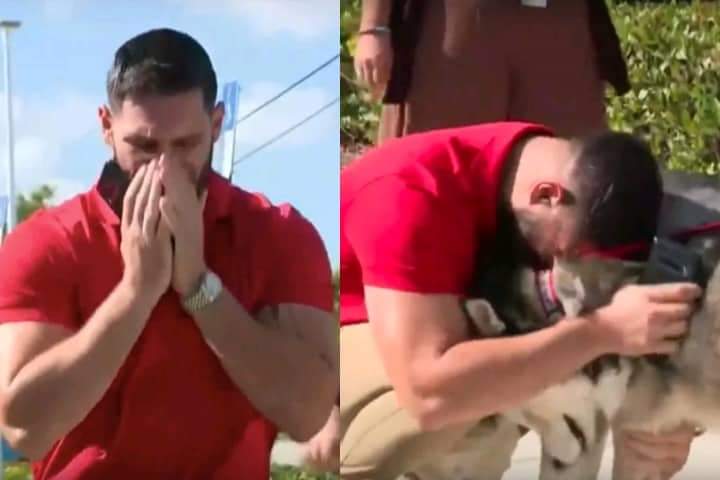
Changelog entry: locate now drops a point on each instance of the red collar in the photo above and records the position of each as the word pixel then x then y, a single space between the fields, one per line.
pixel 545 286
pixel 627 251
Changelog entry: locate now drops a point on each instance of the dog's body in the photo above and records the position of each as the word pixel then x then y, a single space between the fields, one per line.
pixel 573 418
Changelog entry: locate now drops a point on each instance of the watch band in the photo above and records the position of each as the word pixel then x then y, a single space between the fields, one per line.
pixel 208 291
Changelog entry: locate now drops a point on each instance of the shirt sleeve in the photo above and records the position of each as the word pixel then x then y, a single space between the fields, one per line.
pixel 302 272
pixel 36 275
pixel 409 239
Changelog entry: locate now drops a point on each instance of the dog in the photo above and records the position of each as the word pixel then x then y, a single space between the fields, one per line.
pixel 572 418
pixel 655 394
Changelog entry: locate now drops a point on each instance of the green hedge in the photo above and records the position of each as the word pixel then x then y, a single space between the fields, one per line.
pixel 673 55
pixel 358 115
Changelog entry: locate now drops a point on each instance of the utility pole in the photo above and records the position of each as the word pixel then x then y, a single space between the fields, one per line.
pixel 7 26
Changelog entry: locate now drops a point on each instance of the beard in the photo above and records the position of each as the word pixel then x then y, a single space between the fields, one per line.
pixel 521 237
pixel 200 180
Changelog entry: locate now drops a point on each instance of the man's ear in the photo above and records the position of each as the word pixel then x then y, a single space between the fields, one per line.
pixel 547 193
pixel 105 117
pixel 217 115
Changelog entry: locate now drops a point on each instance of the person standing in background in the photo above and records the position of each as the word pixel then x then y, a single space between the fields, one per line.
pixel 441 64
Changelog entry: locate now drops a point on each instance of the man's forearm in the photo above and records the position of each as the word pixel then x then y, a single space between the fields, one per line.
pixel 477 378
pixel 53 392
pixel 283 376
pixel 375 13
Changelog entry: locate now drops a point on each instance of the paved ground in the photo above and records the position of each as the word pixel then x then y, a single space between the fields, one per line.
pixel 704 463
pixel 286 452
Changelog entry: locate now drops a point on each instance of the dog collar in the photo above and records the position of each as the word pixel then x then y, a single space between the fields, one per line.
pixel 545 285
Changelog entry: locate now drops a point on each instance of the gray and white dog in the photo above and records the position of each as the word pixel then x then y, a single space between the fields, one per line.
pixel 654 393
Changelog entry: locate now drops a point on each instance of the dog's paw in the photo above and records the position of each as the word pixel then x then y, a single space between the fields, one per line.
pixel 561 445
pixel 484 317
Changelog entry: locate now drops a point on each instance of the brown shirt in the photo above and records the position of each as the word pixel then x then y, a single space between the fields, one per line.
pixel 406 20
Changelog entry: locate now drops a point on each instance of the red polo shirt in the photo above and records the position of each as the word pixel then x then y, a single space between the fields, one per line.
pixel 172 412
pixel 415 211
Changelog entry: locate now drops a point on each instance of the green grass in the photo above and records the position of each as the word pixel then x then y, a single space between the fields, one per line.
pixel 21 471
pixel 17 471
pixel 283 472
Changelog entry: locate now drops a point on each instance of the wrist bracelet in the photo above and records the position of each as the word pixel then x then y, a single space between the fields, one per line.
pixel 375 30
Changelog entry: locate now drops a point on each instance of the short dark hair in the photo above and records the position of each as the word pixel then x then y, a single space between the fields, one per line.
pixel 161 62
pixel 620 189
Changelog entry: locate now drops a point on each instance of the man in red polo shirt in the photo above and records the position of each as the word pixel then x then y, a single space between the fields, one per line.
pixel 159 333
pixel 417 215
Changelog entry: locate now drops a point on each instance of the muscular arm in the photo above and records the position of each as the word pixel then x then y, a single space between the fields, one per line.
pixel 375 13
pixel 50 378
pixel 444 378
pixel 285 361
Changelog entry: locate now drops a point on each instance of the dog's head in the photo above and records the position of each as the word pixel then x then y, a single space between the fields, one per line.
pixel 587 283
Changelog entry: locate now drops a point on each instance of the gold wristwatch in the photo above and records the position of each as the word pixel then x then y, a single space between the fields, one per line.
pixel 208 291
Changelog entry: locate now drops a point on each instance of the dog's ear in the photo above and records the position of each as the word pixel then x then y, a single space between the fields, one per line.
pixel 483 316
pixel 589 282
pixel 632 271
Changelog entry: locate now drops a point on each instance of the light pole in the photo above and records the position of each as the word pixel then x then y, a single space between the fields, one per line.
pixel 6 26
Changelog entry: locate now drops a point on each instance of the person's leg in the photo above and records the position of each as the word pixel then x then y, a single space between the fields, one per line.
pixel 392 123
pixel 554 77
pixel 379 439
pixel 484 453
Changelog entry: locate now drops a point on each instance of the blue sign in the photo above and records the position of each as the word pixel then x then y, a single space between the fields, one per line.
pixel 230 100
pixel 8 454
pixel 3 210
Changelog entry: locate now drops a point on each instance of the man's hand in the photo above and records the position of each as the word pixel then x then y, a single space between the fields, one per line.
pixel 145 243
pixel 373 61
pixel 182 210
pixel 656 457
pixel 321 453
pixel 647 319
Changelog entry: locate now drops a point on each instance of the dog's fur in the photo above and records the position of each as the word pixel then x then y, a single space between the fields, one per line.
pixel 645 394
pixel 573 418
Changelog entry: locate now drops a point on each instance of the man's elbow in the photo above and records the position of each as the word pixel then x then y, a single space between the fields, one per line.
pixel 429 411
pixel 432 406
pixel 29 442
pixel 311 415
pixel 305 425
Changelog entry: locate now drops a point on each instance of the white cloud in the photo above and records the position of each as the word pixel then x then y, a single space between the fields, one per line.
pixel 282 114
pixel 303 18
pixel 43 129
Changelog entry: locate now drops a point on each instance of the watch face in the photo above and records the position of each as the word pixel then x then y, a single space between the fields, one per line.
pixel 212 286
pixel 207 293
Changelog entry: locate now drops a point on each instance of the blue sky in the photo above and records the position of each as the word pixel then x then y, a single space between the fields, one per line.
pixel 61 55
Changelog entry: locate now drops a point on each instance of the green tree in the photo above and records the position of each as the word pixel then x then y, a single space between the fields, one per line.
pixel 336 289
pixel 37 199
pixel 359 114
pixel 673 56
